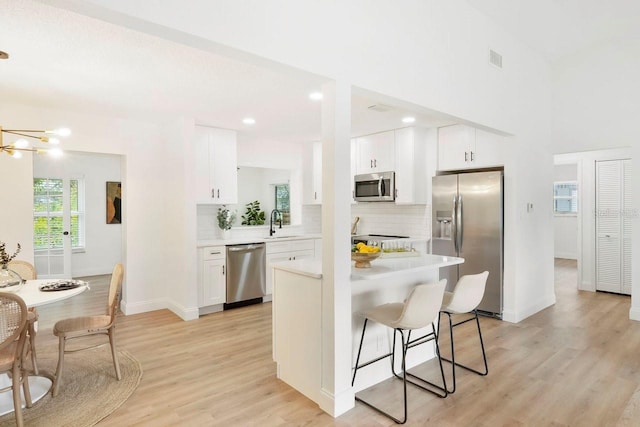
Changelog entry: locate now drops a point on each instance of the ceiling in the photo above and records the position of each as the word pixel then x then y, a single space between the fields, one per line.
pixel 557 28
pixel 95 67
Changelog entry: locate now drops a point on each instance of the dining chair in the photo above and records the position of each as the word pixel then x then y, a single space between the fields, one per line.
pixel 418 311
pixel 464 299
pixel 27 271
pixel 79 327
pixel 13 335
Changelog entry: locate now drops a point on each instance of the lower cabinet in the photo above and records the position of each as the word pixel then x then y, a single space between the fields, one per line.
pixel 287 251
pixel 211 276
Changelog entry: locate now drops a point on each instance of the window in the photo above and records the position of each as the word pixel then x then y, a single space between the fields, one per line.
pixel 565 197
pixel 48 210
pixel 282 202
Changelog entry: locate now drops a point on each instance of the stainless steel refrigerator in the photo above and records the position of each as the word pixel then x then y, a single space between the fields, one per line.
pixel 467 221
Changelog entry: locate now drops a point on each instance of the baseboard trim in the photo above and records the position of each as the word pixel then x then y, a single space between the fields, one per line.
pixel 566 255
pixel 336 405
pixel 185 313
pixel 634 313
pixel 143 306
pixel 519 315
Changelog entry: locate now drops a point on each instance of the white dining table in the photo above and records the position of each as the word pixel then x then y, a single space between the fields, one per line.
pixel 32 296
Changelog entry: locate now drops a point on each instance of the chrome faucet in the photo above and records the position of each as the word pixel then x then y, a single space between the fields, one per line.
pixel 271 220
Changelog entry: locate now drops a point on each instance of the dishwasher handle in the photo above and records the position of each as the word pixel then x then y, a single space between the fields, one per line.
pixel 241 248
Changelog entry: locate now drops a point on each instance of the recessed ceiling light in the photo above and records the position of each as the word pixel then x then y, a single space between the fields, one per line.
pixel 249 121
pixel 408 119
pixel 315 96
pixel 4 55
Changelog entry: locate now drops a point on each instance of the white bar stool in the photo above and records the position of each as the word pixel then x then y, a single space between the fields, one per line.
pixel 418 311
pixel 464 300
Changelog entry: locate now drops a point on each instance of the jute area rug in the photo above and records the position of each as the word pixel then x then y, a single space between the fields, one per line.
pixel 89 390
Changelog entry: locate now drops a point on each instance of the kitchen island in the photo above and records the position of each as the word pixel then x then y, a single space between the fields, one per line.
pixel 297 317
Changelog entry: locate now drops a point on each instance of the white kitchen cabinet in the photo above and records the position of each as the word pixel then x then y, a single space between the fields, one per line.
pixel 216 171
pixel 354 168
pixel 412 173
pixel 287 251
pixel 613 226
pixel 465 147
pixel 312 161
pixel 211 276
pixel 375 153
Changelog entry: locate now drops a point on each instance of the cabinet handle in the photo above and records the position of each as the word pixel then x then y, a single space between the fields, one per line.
pixel 472 156
pixel 218 193
pixel 375 163
pixel 371 163
pixel 214 253
pixel 213 193
pixel 223 270
pixel 466 157
pixel 315 195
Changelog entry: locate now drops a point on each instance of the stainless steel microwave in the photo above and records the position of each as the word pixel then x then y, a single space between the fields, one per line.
pixel 375 187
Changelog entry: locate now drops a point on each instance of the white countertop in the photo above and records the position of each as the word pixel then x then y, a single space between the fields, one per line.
pixel 245 240
pixel 380 268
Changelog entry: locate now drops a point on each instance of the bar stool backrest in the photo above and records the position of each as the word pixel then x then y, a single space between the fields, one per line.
pixel 422 305
pixel 468 293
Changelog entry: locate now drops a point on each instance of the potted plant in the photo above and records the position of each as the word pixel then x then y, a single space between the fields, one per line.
pixel 8 277
pixel 254 215
pixel 225 220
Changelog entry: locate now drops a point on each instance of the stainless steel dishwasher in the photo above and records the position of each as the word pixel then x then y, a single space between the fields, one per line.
pixel 246 274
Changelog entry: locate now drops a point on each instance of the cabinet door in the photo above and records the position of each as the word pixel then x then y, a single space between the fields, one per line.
pixel 376 153
pixel 213 286
pixel 312 162
pixel 284 256
pixel 203 191
pixel 223 162
pixel 354 168
pixel 454 146
pixel 487 150
pixel 411 166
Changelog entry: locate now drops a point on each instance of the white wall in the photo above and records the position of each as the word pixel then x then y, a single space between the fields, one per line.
pixel 103 242
pixel 596 108
pixel 565 227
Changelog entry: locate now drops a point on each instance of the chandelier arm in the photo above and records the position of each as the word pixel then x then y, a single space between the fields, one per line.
pixel 18 132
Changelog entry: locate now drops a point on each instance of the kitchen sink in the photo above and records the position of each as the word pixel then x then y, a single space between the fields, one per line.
pixel 279 237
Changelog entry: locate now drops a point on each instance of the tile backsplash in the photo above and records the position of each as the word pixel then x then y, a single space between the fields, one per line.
pixel 375 218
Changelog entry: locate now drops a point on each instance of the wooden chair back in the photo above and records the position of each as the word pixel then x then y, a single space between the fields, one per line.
pixel 115 287
pixel 25 269
pixel 13 321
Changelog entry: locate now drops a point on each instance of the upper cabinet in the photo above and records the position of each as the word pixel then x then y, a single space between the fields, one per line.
pixel 411 166
pixel 465 147
pixel 312 161
pixel 375 153
pixel 216 166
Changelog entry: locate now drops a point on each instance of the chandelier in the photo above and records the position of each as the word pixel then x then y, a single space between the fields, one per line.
pixel 21 144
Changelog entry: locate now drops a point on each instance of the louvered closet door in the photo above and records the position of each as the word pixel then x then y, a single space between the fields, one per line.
pixel 608 226
pixel 627 206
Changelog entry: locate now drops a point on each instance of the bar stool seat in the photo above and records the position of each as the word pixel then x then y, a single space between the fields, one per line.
pixel 418 311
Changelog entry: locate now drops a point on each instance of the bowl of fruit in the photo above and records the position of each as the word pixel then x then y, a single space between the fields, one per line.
pixel 363 254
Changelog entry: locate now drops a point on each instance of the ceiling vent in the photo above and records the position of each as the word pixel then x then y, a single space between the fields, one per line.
pixel 380 108
pixel 495 58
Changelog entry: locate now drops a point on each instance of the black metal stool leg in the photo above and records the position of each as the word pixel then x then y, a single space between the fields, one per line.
pixel 355 371
pixel 453 357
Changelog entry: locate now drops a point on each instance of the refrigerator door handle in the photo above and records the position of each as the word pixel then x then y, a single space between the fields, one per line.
pixel 454 224
pixel 459 225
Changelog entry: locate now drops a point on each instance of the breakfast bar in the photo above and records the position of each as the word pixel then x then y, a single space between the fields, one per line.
pixel 297 311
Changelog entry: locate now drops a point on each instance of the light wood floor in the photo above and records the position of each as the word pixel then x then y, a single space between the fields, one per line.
pixel 576 363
